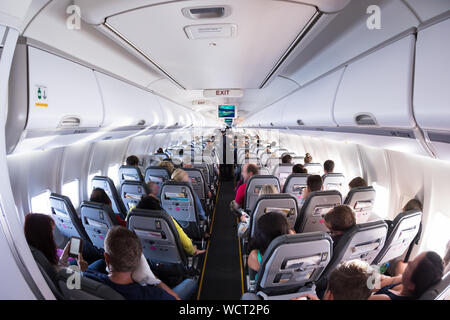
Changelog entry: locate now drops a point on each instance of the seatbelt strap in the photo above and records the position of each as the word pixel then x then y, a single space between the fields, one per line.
pixel 414 242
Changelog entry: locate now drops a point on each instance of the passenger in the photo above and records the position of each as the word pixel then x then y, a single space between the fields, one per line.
pixel 298 168
pixel 152 203
pixel 160 150
pixel 269 226
pixel 328 166
pixel 339 220
pixel 153 188
pixel 180 175
pixel 287 158
pixel 347 282
pixel 420 274
pixel 313 183
pixel 132 161
pixel 248 171
pixel 357 182
pixel 99 195
pixel 308 158
pixel 167 164
pixel 123 252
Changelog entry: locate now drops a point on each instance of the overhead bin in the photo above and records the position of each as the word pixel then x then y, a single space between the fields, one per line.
pixel 313 105
pixel 376 90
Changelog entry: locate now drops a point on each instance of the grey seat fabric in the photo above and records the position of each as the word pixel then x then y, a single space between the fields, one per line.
pixel 177 199
pixel 130 173
pixel 197 181
pixel 107 184
pixel 66 218
pixel 97 219
pixel 401 234
pixel 315 207
pixel 362 242
pixel 314 168
pixel 74 286
pixel 333 181
pixel 272 162
pixel 361 200
pixel 131 193
pixel 282 171
pixel 254 185
pixel 159 237
pixel 440 291
pixel 295 183
pixel 292 262
pixel 157 174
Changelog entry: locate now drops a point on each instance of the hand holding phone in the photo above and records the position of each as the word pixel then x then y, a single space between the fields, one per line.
pixel 76 245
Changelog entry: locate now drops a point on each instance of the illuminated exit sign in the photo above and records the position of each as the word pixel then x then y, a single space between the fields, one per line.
pixel 235 93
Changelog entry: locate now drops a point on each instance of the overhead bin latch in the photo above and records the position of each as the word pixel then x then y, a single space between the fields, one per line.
pixel 69 122
pixel 365 119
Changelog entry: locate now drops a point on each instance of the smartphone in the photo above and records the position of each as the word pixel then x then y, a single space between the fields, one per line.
pixel 76 245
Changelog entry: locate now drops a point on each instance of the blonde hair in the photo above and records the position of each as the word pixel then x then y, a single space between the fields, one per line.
pixel 168 165
pixel 268 189
pixel 179 175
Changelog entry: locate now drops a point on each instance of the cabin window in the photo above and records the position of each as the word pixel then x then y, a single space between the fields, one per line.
pixel 89 181
pixel 438 233
pixel 41 203
pixel 113 173
pixel 381 205
pixel 71 190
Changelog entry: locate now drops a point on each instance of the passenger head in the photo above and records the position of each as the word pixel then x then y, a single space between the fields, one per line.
pixel 423 272
pixel 413 204
pixel 99 195
pixel 340 219
pixel 308 158
pixel 153 188
pixel 357 182
pixel 249 170
pixel 349 282
pixel 132 161
pixel 123 250
pixel 180 175
pixel 287 158
pixel 268 227
pixel 268 189
pixel 39 234
pixel 328 166
pixel 314 183
pixel 149 202
pixel 160 150
pixel 169 165
pixel 298 168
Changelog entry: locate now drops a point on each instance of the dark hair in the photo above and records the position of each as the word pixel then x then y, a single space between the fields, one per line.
pixel 39 234
pixel 357 182
pixel 413 204
pixel 427 272
pixel 252 168
pixel 349 282
pixel 149 203
pixel 328 166
pixel 268 227
pixel 160 150
pixel 99 195
pixel 123 248
pixel 341 218
pixel 298 168
pixel 314 182
pixel 132 161
pixel 286 158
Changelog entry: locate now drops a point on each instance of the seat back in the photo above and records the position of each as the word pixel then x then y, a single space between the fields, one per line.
pixel 282 171
pixel 197 181
pixel 132 192
pixel 159 237
pixel 107 184
pixel 177 199
pixel 203 167
pixel 272 162
pixel 294 184
pixel 333 181
pixel 440 291
pixel 48 271
pixel 97 218
pixel 254 185
pixel 362 242
pixel 402 232
pixel 292 261
pixel 283 203
pixel 88 289
pixel 130 173
pixel 161 156
pixel 314 168
pixel 264 171
pixel 361 200
pixel 66 218
pixel 157 174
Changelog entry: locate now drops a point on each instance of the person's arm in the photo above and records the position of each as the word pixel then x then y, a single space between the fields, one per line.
pixel 308 296
pixel 387 281
pixel 379 297
pixel 65 256
pixel 240 195
pixel 164 287
pixel 185 240
pixel 201 211
pixel 253 260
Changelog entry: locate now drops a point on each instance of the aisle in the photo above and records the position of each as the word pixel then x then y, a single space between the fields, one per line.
pixel 222 273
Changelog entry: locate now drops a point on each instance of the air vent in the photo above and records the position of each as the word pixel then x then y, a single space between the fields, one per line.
pixel 300 122
pixel 210 31
pixel 365 119
pixel 210 12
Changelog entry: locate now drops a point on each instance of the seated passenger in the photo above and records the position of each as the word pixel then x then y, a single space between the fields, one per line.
pixel 132 161
pixel 167 164
pixel 347 282
pixel 160 150
pixel 308 158
pixel 339 220
pixel 313 183
pixel 269 226
pixel 248 171
pixel 123 252
pixel 357 182
pixel 153 188
pixel 180 175
pixel 99 195
pixel 287 158
pixel 420 274
pixel 328 166
pixel 152 203
pixel 298 168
